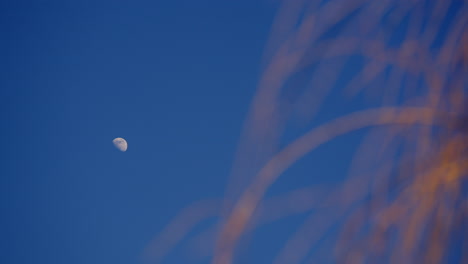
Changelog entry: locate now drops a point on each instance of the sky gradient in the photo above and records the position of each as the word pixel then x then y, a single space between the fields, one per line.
pixel 175 79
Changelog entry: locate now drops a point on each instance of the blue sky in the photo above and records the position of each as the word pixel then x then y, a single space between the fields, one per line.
pixel 174 78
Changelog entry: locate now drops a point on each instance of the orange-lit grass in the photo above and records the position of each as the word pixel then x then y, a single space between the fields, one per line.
pixel 418 209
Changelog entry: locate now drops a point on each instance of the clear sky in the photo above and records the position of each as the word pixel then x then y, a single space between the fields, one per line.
pixel 174 78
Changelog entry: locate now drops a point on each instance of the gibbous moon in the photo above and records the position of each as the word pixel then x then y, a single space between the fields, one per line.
pixel 120 143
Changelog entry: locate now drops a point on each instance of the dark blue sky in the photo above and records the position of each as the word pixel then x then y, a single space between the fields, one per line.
pixel 174 78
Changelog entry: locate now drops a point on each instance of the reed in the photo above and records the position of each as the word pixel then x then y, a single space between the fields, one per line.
pixel 404 199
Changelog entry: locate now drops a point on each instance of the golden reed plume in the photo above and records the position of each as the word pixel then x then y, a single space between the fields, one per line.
pixel 404 199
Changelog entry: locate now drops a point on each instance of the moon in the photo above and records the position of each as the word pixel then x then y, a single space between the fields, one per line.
pixel 120 143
